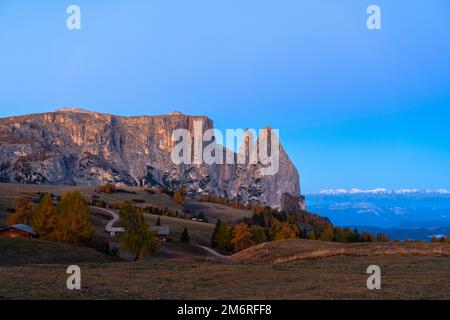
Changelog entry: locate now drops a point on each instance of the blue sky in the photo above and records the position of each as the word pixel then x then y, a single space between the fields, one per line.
pixel 355 108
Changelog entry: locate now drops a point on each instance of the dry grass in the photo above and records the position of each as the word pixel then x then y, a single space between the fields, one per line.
pixel 199 233
pixel 292 250
pixel 418 277
pixel 214 211
pixel 9 191
pixel 14 252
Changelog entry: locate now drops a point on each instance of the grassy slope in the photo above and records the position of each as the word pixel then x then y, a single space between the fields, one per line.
pixel 214 211
pixel 293 250
pixel 199 233
pixel 25 251
pixel 13 190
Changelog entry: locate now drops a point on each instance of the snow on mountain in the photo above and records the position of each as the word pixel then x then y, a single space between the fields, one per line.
pixel 381 191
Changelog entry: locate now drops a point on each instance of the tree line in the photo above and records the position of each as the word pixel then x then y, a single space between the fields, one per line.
pixel 272 225
pixel 68 221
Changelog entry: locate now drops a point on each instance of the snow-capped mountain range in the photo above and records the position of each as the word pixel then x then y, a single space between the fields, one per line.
pixel 383 191
pixel 405 210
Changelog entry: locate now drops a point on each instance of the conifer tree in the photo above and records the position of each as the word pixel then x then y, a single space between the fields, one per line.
pixel 222 237
pixel 185 236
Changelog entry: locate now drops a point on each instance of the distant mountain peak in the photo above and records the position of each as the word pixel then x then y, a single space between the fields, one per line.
pixel 382 191
pixel 74 110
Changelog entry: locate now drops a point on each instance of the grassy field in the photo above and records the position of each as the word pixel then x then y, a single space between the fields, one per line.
pixel 290 269
pixel 214 211
pixel 199 233
pixel 284 251
pixel 403 277
pixel 9 191
pixel 36 270
pixel 14 252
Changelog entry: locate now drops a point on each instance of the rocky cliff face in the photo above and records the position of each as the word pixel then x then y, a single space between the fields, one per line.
pixel 77 147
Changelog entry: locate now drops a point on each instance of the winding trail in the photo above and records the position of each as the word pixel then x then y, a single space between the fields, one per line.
pixel 213 252
pixel 115 218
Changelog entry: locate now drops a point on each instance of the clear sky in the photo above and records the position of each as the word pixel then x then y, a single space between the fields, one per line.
pixel 355 108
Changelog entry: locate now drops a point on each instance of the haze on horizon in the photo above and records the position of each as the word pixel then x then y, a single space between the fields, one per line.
pixel 355 108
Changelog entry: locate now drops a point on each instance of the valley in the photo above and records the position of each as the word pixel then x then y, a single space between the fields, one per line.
pixel 286 269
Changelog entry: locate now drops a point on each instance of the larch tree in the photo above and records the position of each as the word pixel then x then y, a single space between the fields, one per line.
pixel 137 238
pixel 328 234
pixel 241 237
pixel 179 196
pixel 74 225
pixel 23 213
pixel 285 231
pixel 45 218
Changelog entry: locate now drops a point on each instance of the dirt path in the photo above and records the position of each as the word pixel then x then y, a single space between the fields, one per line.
pixel 213 252
pixel 114 215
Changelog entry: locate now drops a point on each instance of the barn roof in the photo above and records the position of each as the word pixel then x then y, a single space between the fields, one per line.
pixel 162 231
pixel 21 227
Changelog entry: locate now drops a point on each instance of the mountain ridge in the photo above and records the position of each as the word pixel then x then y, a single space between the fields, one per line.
pixel 79 147
pixel 381 191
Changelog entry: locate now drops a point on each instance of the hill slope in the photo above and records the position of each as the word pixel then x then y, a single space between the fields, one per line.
pixel 293 250
pixel 15 252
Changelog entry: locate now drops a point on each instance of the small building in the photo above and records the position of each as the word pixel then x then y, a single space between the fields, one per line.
pixel 163 232
pixel 115 230
pixel 18 231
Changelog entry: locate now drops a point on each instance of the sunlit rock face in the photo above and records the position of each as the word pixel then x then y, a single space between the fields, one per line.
pixel 79 147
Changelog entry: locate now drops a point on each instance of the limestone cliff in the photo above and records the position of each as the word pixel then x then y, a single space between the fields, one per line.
pixel 77 147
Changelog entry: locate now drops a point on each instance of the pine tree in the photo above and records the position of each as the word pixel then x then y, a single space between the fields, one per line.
pixel 158 222
pixel 258 234
pixel 185 236
pixel 216 230
pixel 45 218
pixel 23 211
pixel 222 237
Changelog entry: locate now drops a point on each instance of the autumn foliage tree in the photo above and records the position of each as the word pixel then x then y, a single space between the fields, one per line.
pixel 45 218
pixel 241 238
pixel 23 211
pixel 328 234
pixel 74 225
pixel 285 232
pixel 179 196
